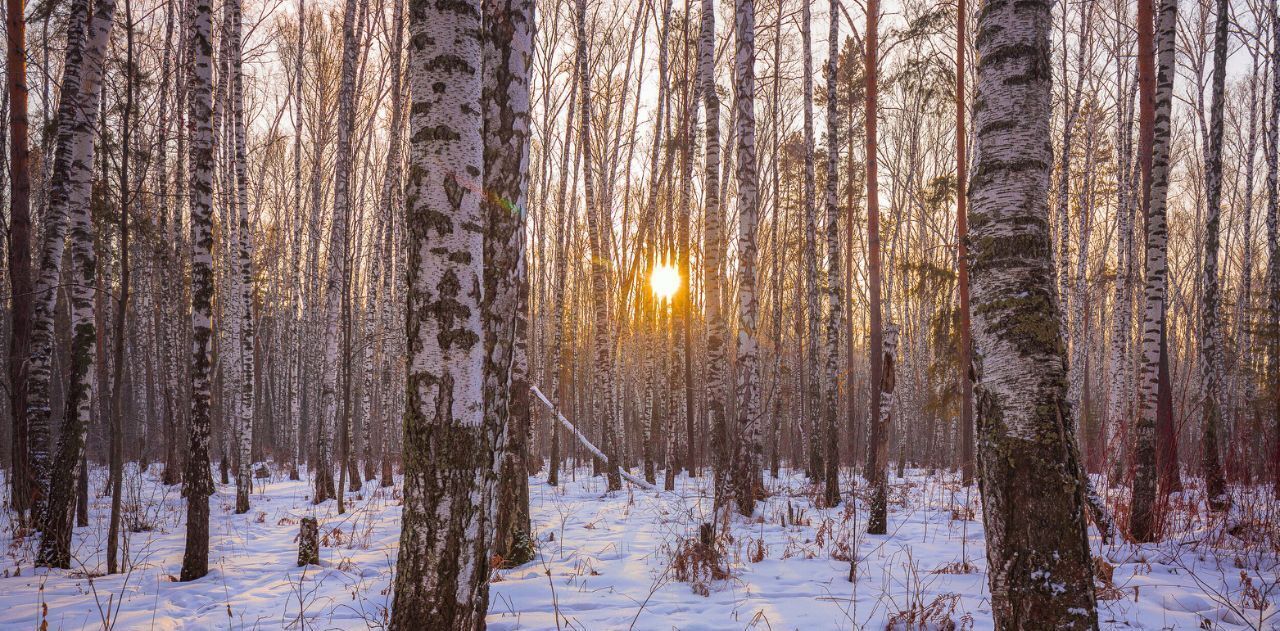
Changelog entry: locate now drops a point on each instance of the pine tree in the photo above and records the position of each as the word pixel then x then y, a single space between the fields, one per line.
pixel 878 443
pixel 19 250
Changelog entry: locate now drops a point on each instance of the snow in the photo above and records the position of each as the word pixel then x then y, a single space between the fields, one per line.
pixel 608 561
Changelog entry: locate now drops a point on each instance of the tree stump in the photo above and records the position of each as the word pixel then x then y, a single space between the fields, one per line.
pixel 309 542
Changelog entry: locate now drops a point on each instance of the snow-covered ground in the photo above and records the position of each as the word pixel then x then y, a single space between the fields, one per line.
pixel 626 560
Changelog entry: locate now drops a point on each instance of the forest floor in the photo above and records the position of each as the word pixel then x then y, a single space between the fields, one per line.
pixel 630 560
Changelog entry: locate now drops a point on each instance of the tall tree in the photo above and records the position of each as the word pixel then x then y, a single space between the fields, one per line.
pixel 1273 248
pixel 1033 497
pixel 878 443
pixel 197 482
pixel 1155 106
pixel 39 365
pixel 77 184
pixel 441 566
pixel 338 280
pixel 747 466
pixel 507 58
pixel 122 307
pixel 19 250
pixel 831 402
pixel 713 253
pixel 813 390
pixel 1210 367
pixel 962 252
pixel 244 404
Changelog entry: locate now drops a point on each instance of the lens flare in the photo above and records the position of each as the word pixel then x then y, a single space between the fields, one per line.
pixel 665 280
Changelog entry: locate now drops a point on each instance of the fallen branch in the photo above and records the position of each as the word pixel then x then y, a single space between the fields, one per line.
pixel 583 439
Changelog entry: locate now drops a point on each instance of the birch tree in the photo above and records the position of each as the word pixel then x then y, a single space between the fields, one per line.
pixel 713 242
pixel 337 277
pixel 813 392
pixel 1156 103
pixel 508 54
pixel 747 467
pixel 1210 366
pixel 1273 248
pixel 72 117
pixel 967 462
pixel 831 403
pixel 244 405
pixel 1040 572
pixel 75 175
pixel 196 480
pixel 442 565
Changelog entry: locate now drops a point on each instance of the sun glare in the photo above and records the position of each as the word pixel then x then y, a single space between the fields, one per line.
pixel 665 280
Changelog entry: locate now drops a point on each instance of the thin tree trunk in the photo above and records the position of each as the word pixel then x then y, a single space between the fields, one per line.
pixel 1273 249
pixel 598 233
pixel 197 483
pixel 21 483
pixel 122 308
pixel 813 309
pixel 1156 94
pixel 878 444
pixel 967 461
pixel 831 404
pixel 1210 367
pixel 748 456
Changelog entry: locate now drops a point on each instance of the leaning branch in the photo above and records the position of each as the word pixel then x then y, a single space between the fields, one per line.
pixel 583 439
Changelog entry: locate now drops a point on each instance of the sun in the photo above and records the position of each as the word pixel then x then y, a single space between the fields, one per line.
pixel 665 280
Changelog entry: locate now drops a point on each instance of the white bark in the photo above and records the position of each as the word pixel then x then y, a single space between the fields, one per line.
pixel 439 571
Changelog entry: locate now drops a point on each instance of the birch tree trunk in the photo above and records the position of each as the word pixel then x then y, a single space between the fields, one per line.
pixel 598 234
pixel 747 461
pixel 1120 361
pixel 831 404
pixel 442 564
pixel 337 277
pixel 1156 104
pixel 72 117
pixel 559 352
pixel 1273 250
pixel 197 482
pixel 75 177
pixel 713 254
pixel 1210 366
pixel 1040 573
pixel 508 54
pixel 813 390
pixel 967 462
pixel 244 407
